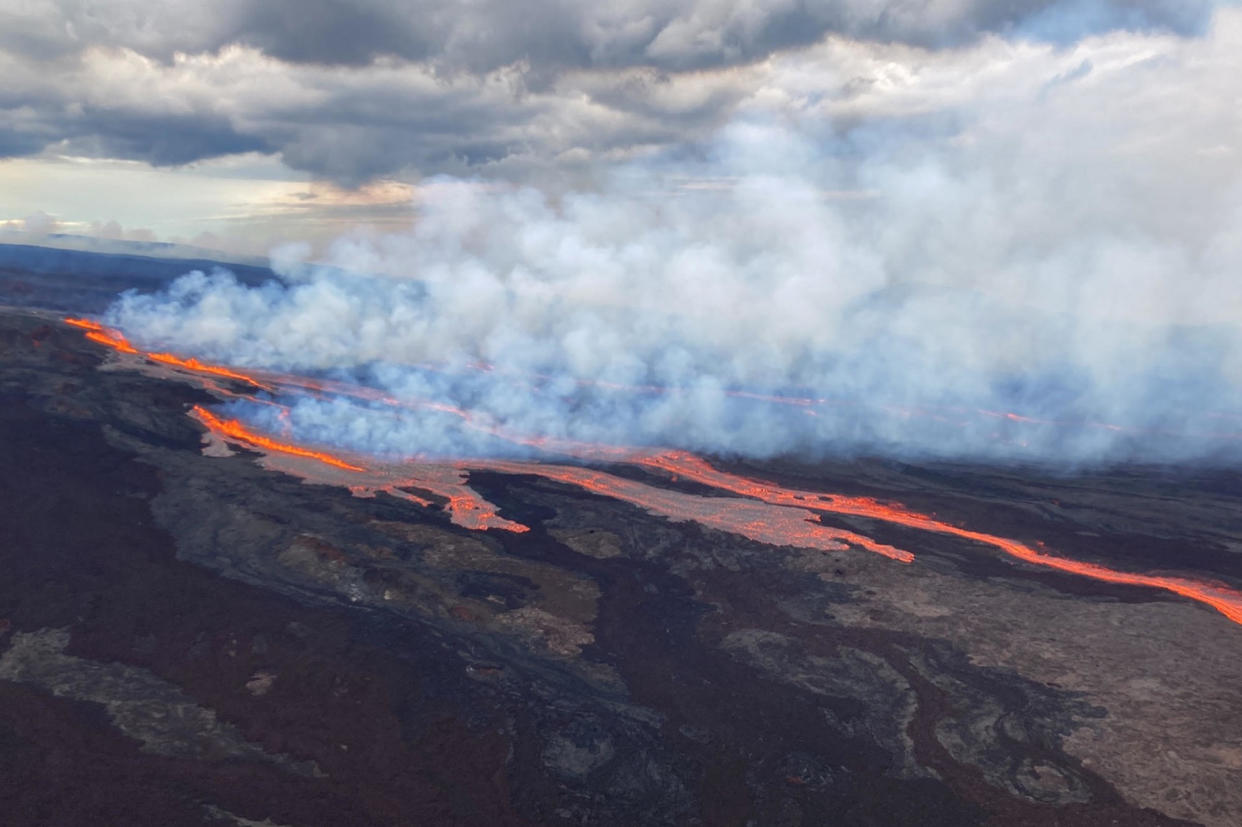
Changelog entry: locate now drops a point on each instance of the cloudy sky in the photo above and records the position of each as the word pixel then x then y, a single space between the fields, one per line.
pixel 953 205
pixel 242 124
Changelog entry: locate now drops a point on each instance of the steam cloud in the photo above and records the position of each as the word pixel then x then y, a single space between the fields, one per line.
pixel 1062 244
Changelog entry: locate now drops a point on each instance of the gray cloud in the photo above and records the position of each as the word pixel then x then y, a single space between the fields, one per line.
pixel 669 34
pixel 431 87
pixel 159 138
pixel 1066 252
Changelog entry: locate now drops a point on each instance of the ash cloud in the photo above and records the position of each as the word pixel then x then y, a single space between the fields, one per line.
pixel 1059 242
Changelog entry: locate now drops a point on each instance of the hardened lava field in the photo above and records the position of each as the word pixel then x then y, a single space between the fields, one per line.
pixel 200 628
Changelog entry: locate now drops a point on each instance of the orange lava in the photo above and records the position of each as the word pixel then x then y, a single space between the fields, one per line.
pixel 111 339
pixel 202 367
pixel 763 522
pixel 117 341
pixel 767 513
pixel 470 419
pixel 465 507
pixel 469 510
pixel 235 430
pixel 1225 600
pixel 103 335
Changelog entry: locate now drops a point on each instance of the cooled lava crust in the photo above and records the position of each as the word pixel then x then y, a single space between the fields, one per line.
pixel 193 639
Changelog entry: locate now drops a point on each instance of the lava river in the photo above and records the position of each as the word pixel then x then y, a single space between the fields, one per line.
pixel 759 510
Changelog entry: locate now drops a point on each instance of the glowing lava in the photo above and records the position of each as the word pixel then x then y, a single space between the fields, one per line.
pixel 762 511
pixel 680 464
pixel 84 324
pixel 464 505
pixel 117 341
pixel 326 388
pixel 202 367
pixel 763 522
pixel 102 335
pixel 235 430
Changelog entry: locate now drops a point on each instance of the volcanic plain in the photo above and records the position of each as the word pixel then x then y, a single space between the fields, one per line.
pixel 191 633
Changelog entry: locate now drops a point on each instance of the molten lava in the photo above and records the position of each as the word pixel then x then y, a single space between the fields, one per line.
pixel 235 430
pixel 102 335
pixel 776 525
pixel 465 507
pixel 680 464
pixel 195 365
pixel 117 341
pixel 327 388
pixel 762 511
pixel 85 324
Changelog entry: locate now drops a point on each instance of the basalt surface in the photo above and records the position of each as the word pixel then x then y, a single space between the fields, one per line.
pixel 195 638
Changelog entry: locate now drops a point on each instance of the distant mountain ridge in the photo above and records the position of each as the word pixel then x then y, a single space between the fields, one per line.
pixel 120 246
pixel 62 279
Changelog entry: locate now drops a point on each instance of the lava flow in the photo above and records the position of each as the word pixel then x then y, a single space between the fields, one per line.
pixel 102 335
pixel 766 512
pixel 680 464
pixel 777 525
pixel 327 388
pixel 464 506
pixel 235 430
pixel 117 341
pixel 449 482
pixel 202 367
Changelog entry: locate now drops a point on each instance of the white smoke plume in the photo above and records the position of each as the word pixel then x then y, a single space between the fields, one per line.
pixel 1053 233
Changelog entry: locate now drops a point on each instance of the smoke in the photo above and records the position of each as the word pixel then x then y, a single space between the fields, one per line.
pixel 1053 234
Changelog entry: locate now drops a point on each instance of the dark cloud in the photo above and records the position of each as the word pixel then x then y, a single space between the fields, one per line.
pixel 334 32
pixel 673 35
pixel 15 144
pixel 351 89
pixel 160 139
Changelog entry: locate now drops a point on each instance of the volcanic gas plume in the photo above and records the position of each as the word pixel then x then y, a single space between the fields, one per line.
pixel 759 510
pixel 820 297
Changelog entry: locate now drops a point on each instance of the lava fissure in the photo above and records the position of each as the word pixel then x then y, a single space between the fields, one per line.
pixel 762 511
pixel 235 430
pixel 1225 600
pixel 117 341
pixel 760 521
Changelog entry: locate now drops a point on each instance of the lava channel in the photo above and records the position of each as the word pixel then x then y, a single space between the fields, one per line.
pixel 1225 600
pixel 776 525
pixel 792 525
pixel 236 431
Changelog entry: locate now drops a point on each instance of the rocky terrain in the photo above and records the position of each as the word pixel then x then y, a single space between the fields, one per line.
pixel 189 638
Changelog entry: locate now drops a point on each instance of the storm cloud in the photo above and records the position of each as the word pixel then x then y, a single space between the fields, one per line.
pixel 1017 250
pixel 356 90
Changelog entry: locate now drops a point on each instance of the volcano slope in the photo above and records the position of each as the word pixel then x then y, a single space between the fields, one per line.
pixel 197 636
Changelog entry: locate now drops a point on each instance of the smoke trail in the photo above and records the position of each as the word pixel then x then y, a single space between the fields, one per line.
pixel 1045 269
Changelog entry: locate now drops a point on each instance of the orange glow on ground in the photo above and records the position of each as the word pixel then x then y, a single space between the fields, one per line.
pixel 469 510
pixel 112 340
pixel 777 525
pixel 202 367
pixel 117 341
pixel 103 335
pixel 464 505
pixel 1225 600
pixel 766 513
pixel 235 430
pixel 322 388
